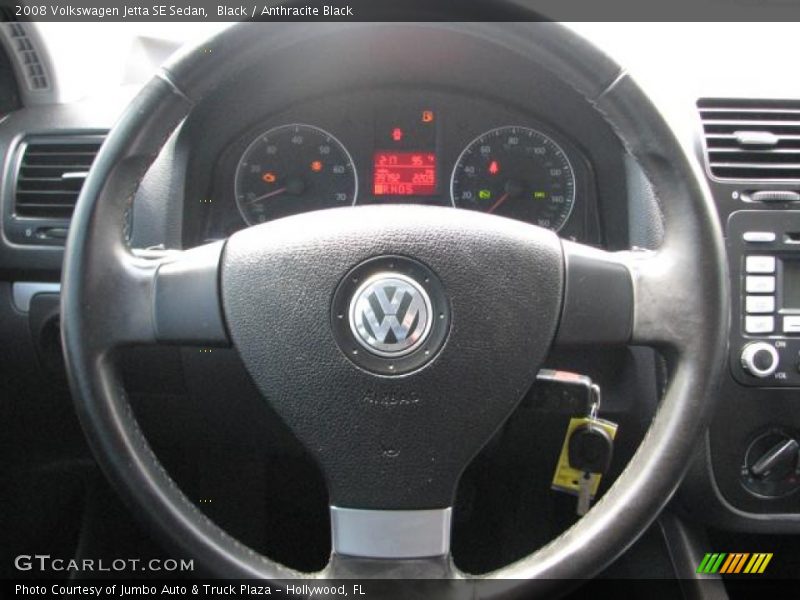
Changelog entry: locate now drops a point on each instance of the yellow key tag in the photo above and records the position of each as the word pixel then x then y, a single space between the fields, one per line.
pixel 566 479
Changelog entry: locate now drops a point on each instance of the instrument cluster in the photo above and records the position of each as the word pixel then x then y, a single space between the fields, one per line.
pixel 402 147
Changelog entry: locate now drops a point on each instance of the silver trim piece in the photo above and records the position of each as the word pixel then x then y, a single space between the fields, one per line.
pixel 775 196
pixel 390 533
pixel 756 138
pixel 75 175
pixel 759 237
pixel 23 291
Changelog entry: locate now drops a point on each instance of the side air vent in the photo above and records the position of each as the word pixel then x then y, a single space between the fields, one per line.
pixel 27 57
pixel 50 173
pixel 752 139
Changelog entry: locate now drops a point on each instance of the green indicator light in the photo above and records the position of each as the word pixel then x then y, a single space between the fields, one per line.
pixel 485 194
pixel 539 195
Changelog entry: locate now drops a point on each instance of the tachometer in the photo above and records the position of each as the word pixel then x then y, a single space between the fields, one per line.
pixel 293 169
pixel 516 172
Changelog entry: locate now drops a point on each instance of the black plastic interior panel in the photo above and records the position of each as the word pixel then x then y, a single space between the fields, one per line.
pixel 741 420
pixel 9 92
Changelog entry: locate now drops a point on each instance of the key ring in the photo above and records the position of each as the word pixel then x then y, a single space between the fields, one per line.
pixel 594 395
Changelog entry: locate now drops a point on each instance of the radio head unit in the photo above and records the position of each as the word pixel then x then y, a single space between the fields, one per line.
pixel 764 263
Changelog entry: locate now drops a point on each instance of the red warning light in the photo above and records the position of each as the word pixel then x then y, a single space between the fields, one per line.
pixel 268 177
pixel 316 166
pixel 397 134
pixel 427 116
pixel 494 167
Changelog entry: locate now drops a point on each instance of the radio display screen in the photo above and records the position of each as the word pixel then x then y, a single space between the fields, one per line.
pixel 791 284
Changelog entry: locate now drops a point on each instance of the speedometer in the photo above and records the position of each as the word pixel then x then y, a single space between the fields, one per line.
pixel 516 172
pixel 293 169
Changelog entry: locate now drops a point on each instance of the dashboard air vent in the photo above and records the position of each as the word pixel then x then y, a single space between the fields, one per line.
pixel 29 63
pixel 50 174
pixel 752 139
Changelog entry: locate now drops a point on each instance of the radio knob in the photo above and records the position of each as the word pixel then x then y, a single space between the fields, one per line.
pixel 760 359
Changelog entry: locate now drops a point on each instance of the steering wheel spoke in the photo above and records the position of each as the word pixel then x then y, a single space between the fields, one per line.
pixel 166 297
pixel 598 297
pixel 620 298
pixel 187 307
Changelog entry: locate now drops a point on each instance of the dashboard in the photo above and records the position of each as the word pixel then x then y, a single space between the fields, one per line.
pixel 461 133
pixel 397 146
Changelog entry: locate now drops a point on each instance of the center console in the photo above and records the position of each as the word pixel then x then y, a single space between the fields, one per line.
pixel 751 467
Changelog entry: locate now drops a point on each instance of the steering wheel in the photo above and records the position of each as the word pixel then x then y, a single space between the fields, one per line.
pixel 395 340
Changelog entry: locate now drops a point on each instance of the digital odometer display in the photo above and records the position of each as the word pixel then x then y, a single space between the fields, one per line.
pixel 405 156
pixel 404 174
pixel 515 172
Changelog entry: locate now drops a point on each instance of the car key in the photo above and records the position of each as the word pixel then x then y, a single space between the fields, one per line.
pixel 588 446
pixel 589 451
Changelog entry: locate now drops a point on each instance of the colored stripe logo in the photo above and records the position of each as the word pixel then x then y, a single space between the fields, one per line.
pixel 734 563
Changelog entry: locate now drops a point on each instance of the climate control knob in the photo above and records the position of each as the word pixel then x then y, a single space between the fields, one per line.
pixel 760 359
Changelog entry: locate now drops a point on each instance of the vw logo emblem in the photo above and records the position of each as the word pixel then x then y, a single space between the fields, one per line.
pixel 390 315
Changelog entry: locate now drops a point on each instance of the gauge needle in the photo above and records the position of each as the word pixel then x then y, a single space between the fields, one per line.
pixel 497 204
pixel 269 195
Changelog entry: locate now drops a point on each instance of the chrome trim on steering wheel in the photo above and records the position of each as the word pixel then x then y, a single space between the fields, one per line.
pixel 390 533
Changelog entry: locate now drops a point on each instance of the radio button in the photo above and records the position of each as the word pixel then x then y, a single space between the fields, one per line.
pixel 760 284
pixel 760 264
pixel 759 237
pixel 759 324
pixel 791 324
pixel 759 304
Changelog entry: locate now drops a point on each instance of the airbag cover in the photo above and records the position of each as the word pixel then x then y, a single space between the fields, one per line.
pixel 397 442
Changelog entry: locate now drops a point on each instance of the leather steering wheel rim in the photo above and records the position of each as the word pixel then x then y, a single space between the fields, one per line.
pixel 680 305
